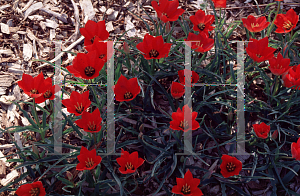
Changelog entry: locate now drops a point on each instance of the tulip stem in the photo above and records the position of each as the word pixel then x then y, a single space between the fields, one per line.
pixel 94 134
pixel 95 96
pixel 152 67
pixel 272 25
pixel 275 88
pixel 35 114
pixel 288 104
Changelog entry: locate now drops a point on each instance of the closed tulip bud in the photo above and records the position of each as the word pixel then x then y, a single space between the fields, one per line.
pixel 35 149
pixel 275 135
pixel 69 175
pixel 126 48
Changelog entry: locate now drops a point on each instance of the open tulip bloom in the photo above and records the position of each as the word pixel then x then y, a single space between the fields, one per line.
pixel 129 162
pixel 92 30
pixel 167 10
pixel 295 148
pixel 255 24
pixel 202 22
pixel 187 186
pixel 77 102
pixel 279 65
pixel 286 22
pixel 33 86
pixel 33 189
pixel 292 77
pixel 262 130
pixel 90 122
pixel 126 90
pixel 179 123
pixel 259 51
pixel 88 160
pixel 230 166
pixel 177 90
pixel 203 43
pixel 154 47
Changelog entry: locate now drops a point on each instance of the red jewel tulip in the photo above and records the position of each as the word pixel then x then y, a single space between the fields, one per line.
pixel 90 122
pixel 33 87
pixel 292 77
pixel 262 130
pixel 203 43
pixel 93 29
pixel 77 102
pixel 129 162
pixel 286 22
pixel 295 148
pixel 126 90
pixel 194 76
pixel 179 123
pixel 167 10
pixel 154 47
pixel 255 25
pixel 219 3
pixel 274 135
pixel 279 65
pixel 88 160
pixel 33 189
pixel 187 186
pixel 101 48
pixel 202 22
pixel 126 48
pixel 49 91
pixel 177 90
pixel 230 166
pixel 86 66
pixel 259 51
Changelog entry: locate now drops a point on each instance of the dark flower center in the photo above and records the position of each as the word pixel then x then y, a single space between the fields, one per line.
pixel 153 53
pixel 201 26
pixel 230 167
pixel 258 55
pixel 254 25
pixel 89 163
pixel 92 126
pixel 47 94
pixel 128 95
pixel 184 124
pixel 34 191
pixel 102 56
pixel 34 91
pixel 79 108
pixel 186 189
pixel 93 39
pixel 287 25
pixel 128 165
pixel 89 71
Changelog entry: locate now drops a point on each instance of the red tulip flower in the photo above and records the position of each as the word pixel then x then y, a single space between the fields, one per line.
pixel 33 189
pixel 262 130
pixel 230 166
pixel 194 76
pixel 86 66
pixel 101 48
pixel 286 22
pixel 93 30
pixel 129 162
pixel 154 47
pixel 77 102
pixel 90 122
pixel 33 87
pixel 279 65
pixel 259 51
pixel 219 3
pixel 88 160
pixel 179 123
pixel 167 10
pixel 177 90
pixel 255 25
pixel 187 186
pixel 203 43
pixel 202 22
pixel 126 90
pixel 295 148
pixel 292 77
pixel 49 91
